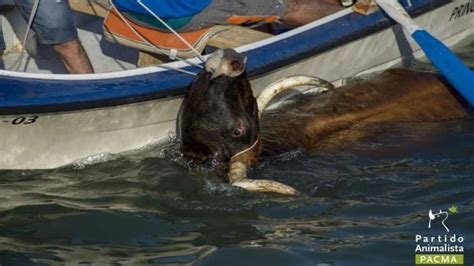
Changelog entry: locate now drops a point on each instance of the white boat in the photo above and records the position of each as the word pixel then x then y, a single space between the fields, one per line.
pixel 51 120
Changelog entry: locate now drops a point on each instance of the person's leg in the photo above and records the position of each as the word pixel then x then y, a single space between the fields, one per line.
pixel 2 41
pixel 2 46
pixel 290 12
pixel 74 57
pixel 300 12
pixel 54 26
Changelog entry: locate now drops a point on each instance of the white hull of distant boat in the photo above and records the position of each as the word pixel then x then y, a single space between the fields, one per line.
pixel 50 121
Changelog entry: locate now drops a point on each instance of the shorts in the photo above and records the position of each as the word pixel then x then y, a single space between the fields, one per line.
pixel 2 41
pixel 53 22
pixel 236 12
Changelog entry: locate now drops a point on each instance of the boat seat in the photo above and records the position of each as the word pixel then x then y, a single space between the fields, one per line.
pixel 164 44
pixel 98 8
pixel 222 39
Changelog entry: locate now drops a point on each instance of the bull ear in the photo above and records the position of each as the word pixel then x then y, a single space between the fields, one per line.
pixel 234 66
pixel 238 65
pixel 226 62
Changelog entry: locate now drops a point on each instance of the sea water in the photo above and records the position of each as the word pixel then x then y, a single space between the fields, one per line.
pixel 365 203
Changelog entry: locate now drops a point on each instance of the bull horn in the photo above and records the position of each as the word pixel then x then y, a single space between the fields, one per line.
pixel 287 83
pixel 238 175
pixel 262 185
pixel 238 178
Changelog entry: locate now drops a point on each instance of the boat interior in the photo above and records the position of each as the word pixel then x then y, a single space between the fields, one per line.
pixel 106 54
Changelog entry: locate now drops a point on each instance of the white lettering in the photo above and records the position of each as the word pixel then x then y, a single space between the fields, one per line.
pixel 437 259
pixel 452 238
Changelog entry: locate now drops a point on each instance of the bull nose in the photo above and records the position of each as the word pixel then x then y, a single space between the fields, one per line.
pixel 215 162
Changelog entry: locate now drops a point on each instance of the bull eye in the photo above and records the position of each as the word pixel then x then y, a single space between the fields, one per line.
pixel 237 132
pixel 239 129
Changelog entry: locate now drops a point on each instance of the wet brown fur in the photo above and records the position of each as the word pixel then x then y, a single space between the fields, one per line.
pixel 210 109
pixel 395 96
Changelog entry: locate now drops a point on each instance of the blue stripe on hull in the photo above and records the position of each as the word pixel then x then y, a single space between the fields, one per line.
pixel 22 95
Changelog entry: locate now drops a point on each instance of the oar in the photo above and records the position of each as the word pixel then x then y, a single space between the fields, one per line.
pixel 450 66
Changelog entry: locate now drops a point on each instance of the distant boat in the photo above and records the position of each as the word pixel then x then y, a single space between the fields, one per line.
pixel 51 120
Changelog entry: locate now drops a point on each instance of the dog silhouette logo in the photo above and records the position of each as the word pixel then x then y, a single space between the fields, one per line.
pixel 441 214
pixel 434 216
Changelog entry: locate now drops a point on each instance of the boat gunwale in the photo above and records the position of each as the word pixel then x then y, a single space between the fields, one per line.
pixel 151 83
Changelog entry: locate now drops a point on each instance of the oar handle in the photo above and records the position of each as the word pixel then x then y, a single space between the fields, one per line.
pixel 398 13
pixel 449 64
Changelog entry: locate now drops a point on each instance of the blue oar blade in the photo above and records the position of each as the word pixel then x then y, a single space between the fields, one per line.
pixel 450 66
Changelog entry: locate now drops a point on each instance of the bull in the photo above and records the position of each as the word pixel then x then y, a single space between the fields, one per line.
pixel 221 124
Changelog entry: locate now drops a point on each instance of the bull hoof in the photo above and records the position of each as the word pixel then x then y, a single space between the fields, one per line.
pixel 262 185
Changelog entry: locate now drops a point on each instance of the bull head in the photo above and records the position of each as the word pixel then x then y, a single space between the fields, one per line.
pixel 219 121
pixel 219 116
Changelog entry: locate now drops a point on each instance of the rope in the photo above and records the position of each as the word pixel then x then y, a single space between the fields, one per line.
pixel 173 31
pixel 151 44
pixel 17 64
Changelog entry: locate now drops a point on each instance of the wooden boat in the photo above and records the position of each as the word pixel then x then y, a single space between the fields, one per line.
pixel 51 120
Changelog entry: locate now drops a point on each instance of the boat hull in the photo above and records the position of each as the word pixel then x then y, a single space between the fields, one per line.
pixel 51 140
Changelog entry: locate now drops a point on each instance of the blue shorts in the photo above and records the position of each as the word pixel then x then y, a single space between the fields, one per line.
pixel 53 21
pixel 2 41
